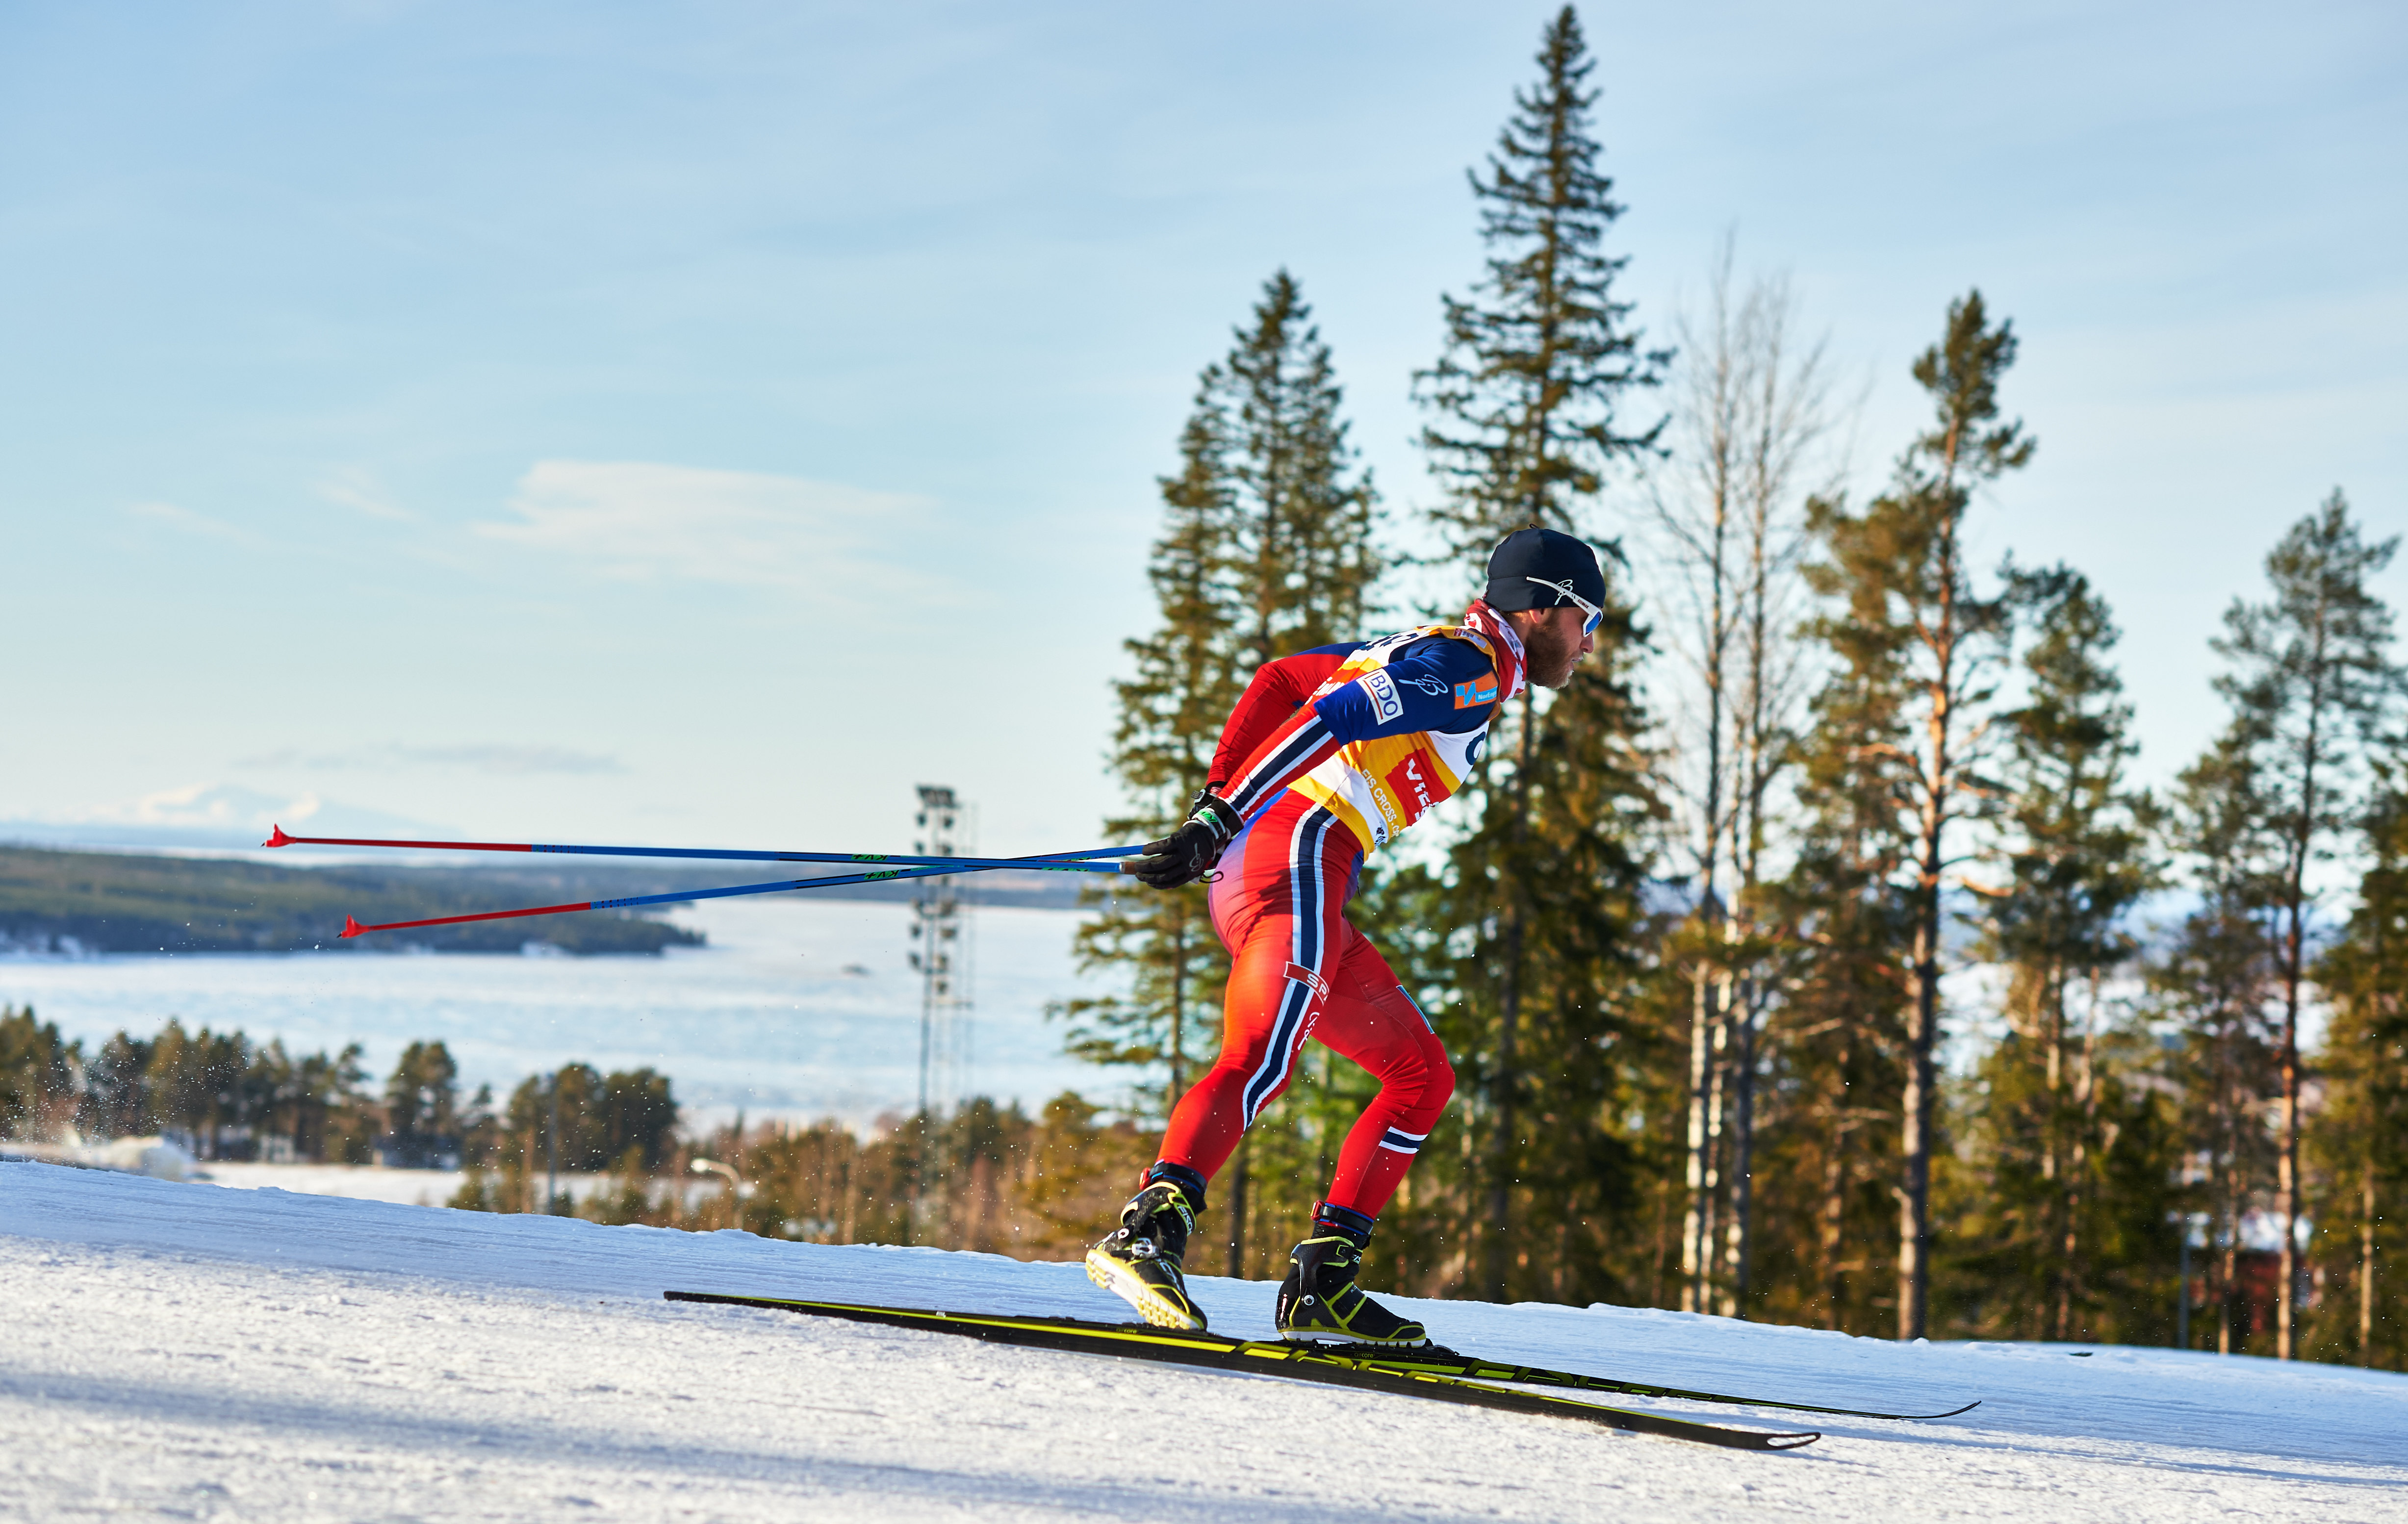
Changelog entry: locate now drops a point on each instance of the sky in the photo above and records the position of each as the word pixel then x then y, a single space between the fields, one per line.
pixel 699 423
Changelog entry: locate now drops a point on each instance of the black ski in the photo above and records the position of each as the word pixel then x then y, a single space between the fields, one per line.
pixel 1305 1362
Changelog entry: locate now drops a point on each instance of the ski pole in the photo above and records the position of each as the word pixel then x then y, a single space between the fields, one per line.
pixel 1043 862
pixel 352 928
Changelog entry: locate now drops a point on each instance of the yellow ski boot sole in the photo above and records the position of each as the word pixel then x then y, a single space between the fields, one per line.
pixel 1114 1275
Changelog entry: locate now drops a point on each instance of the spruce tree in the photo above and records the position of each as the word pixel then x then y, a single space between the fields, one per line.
pixel 1899 571
pixel 2077 863
pixel 1171 713
pixel 1536 360
pixel 1301 517
pixel 2311 689
pixel 1524 430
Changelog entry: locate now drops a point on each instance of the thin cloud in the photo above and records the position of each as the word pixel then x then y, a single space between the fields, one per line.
pixel 639 521
pixel 494 760
pixel 187 521
pixel 356 490
pixel 216 811
pixel 513 762
pixel 197 805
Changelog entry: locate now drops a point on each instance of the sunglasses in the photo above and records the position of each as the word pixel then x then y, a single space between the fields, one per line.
pixel 1563 589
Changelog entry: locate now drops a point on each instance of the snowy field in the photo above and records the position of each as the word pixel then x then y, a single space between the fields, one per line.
pixel 190 1352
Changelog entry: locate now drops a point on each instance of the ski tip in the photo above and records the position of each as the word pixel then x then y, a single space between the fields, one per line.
pixel 351 927
pixel 276 837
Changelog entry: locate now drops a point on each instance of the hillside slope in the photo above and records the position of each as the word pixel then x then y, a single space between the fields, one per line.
pixel 216 1353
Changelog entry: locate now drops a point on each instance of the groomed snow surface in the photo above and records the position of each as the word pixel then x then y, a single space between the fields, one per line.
pixel 190 1351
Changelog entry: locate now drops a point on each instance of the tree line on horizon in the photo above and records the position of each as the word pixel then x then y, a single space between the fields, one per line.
pixel 1691 933
pixel 983 1177
pixel 223 1096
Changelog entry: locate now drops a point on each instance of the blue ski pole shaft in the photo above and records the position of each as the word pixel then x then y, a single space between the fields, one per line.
pixel 352 928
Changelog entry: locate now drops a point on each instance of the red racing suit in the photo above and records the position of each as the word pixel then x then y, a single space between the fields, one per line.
pixel 1330 753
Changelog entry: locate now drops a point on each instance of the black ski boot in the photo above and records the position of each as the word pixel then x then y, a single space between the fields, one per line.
pixel 1139 1261
pixel 1319 1300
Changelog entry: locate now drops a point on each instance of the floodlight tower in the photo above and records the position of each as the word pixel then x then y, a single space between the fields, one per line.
pixel 941 948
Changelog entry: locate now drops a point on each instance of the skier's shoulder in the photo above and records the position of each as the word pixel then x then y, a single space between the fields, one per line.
pixel 1444 665
pixel 1440 650
pixel 1425 679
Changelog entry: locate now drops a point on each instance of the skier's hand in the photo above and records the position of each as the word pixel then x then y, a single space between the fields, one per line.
pixel 1189 852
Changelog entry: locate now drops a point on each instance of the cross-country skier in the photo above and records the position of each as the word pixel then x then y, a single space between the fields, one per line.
pixel 1328 756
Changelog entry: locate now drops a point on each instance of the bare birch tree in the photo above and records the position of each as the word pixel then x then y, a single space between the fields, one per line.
pixel 1753 416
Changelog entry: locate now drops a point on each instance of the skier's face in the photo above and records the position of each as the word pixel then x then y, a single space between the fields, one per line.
pixel 1555 641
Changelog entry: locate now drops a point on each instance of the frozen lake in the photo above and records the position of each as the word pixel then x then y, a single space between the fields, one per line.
pixel 797 1007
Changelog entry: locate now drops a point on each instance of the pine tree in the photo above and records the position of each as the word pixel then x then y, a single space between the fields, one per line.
pixel 1898 569
pixel 117 1102
pixel 2311 688
pixel 423 1097
pixel 2213 982
pixel 1523 431
pixel 2360 1141
pixel 2053 1107
pixel 1845 921
pixel 1269 548
pixel 199 1082
pixel 638 1117
pixel 37 1074
pixel 316 1100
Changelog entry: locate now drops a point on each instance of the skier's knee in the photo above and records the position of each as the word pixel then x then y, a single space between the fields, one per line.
pixel 1420 1081
pixel 1438 1080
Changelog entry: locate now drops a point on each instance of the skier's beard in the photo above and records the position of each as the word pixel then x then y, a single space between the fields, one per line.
pixel 1551 653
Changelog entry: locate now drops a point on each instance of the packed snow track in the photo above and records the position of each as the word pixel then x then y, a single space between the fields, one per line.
pixel 190 1351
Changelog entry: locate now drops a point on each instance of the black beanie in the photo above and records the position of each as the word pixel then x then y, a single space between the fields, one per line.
pixel 1531 568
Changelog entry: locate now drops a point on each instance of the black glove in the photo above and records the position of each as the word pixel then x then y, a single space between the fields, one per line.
pixel 1189 852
